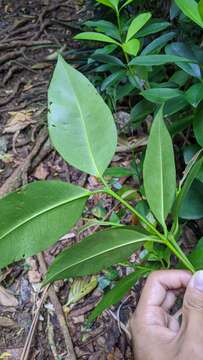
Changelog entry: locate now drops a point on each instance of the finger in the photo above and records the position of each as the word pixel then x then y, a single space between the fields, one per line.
pixel 169 301
pixel 159 283
pixel 173 324
pixel 193 304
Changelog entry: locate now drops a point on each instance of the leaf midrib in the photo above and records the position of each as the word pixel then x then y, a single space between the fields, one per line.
pixel 83 122
pixel 46 210
pixel 161 172
pixel 146 238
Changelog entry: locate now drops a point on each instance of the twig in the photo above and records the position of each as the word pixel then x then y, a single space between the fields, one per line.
pixel 132 145
pixel 59 312
pixel 10 56
pixel 15 180
pixel 24 43
pixel 122 326
pixel 50 332
pixel 10 73
pixel 26 349
pixel 11 97
pixel 44 151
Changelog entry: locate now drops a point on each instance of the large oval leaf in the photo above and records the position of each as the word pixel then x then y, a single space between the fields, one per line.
pixel 159 170
pixel 96 252
pixel 81 126
pixel 36 216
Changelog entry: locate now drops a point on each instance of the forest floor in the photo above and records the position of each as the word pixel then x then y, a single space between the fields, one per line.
pixel 30 34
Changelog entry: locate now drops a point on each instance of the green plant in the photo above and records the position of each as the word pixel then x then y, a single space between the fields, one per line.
pixel 125 40
pixel 147 76
pixel 83 131
pixel 192 9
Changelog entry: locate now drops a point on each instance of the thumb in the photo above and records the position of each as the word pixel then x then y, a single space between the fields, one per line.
pixel 193 301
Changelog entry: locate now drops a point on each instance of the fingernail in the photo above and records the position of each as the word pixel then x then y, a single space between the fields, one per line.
pixel 197 280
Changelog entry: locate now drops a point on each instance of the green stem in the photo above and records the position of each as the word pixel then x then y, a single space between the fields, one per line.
pixel 131 208
pixel 119 23
pixel 171 244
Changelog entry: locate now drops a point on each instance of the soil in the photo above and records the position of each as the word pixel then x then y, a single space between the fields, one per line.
pixel 31 33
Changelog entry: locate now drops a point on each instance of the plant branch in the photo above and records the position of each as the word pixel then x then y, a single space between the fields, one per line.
pixel 171 244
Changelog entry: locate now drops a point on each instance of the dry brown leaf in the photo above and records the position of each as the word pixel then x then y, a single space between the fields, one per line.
pixel 41 173
pixel 15 353
pixel 34 276
pixel 18 120
pixel 5 355
pixel 6 298
pixel 7 322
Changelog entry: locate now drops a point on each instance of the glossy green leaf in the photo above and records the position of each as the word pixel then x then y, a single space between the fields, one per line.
pixel 180 78
pixel 126 4
pixel 180 124
pixel 105 26
pixel 185 51
pixel 116 294
pixel 137 24
pixel 124 90
pixel 192 206
pixel 156 60
pixel 115 4
pixel 153 27
pixel 174 105
pixel 190 9
pixel 95 253
pixel 194 95
pixel 160 95
pixel 190 152
pixel 196 256
pixel 118 172
pixel 36 216
pixel 200 8
pixel 158 43
pixel 94 36
pixel 106 3
pixel 140 111
pixel 113 79
pixel 81 126
pixel 174 11
pixel 159 170
pixel 189 178
pixel 108 59
pixel 131 47
pixel 198 124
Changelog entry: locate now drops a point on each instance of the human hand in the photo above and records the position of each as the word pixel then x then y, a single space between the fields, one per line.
pixel 156 334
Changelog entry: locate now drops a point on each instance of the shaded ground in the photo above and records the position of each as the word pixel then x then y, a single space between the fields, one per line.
pixel 30 34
